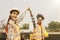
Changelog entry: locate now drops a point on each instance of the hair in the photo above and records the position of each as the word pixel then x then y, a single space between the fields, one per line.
pixel 14 11
pixel 6 28
pixel 40 15
pixel 7 24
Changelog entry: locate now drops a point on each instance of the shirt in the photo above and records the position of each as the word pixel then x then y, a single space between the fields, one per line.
pixel 39 32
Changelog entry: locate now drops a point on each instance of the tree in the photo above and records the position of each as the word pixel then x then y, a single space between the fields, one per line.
pixel 54 26
pixel 25 26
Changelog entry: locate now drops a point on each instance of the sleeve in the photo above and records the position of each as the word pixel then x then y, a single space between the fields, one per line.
pixel 45 33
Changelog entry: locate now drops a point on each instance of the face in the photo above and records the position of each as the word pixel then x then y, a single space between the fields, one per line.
pixel 14 15
pixel 39 20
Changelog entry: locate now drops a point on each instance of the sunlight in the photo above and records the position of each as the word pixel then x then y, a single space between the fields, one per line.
pixel 57 2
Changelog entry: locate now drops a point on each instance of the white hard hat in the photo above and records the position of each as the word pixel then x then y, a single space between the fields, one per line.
pixel 14 9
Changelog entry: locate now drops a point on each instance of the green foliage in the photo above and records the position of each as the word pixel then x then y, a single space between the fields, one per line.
pixel 25 26
pixel 54 26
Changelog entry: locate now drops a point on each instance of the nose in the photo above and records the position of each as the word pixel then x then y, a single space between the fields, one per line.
pixel 15 16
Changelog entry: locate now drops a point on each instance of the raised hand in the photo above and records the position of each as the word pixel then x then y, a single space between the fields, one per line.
pixel 11 22
pixel 29 9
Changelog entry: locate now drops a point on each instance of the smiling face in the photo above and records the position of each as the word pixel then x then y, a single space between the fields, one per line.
pixel 39 20
pixel 14 15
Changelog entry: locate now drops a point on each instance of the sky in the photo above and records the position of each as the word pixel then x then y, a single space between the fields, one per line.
pixel 50 9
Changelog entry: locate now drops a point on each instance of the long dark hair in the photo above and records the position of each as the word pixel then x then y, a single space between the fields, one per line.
pixel 7 24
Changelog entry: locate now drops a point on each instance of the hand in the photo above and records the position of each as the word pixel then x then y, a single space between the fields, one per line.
pixel 14 18
pixel 11 22
pixel 29 9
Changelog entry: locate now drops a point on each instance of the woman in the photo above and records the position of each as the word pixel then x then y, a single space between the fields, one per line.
pixel 39 33
pixel 12 28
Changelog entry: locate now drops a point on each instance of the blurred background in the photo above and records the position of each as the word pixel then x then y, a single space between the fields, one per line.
pixel 50 9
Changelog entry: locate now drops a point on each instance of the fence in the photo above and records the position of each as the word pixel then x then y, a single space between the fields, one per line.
pixel 52 36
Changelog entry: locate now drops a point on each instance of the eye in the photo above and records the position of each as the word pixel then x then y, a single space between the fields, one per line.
pixel 16 13
pixel 13 13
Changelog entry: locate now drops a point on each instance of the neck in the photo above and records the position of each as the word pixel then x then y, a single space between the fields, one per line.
pixel 39 23
pixel 13 20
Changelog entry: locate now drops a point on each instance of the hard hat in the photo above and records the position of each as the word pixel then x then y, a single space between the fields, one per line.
pixel 14 9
